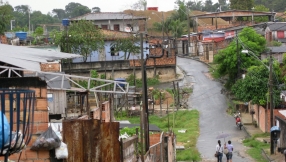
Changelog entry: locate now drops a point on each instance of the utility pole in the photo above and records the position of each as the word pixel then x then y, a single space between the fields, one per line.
pixel 144 96
pixel 188 17
pixel 163 29
pixel 29 22
pixel 11 21
pixel 238 56
pixel 271 103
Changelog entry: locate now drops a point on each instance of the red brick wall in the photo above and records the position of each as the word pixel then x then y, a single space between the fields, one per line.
pixel 154 138
pixel 3 39
pixel 264 117
pixel 157 61
pixel 41 119
pixel 51 67
pixel 105 114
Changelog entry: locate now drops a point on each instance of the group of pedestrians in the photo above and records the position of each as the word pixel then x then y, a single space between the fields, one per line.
pixel 220 148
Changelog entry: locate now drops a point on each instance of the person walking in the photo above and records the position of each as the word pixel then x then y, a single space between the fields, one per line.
pixel 229 147
pixel 219 151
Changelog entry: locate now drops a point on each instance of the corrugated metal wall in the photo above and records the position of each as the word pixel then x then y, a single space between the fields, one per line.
pixel 91 141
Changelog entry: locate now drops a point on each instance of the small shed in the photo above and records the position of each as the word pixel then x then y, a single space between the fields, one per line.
pixel 277 53
pixel 57 100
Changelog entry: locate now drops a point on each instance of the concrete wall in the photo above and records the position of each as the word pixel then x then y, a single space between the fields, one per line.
pixel 122 24
pixel 123 68
pixel 129 149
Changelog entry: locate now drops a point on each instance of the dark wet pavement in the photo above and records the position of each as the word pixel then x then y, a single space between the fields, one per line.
pixel 212 105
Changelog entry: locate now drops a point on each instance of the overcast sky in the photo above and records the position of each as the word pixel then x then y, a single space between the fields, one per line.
pixel 46 6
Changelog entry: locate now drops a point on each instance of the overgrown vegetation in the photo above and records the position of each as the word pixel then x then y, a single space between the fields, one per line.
pixel 188 120
pixel 129 131
pixel 93 74
pixel 256 146
pixel 275 43
pixel 150 81
pixel 156 93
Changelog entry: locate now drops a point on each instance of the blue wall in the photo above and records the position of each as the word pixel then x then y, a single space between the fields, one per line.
pixel 93 57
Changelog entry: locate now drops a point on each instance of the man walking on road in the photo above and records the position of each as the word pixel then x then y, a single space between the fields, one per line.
pixel 229 146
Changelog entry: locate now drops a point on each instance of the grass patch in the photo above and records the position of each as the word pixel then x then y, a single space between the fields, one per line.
pixel 188 120
pixel 256 146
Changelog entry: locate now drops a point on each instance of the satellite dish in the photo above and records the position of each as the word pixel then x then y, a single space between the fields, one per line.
pixel 127 29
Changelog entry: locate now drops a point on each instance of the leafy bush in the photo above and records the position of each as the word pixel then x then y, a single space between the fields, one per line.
pixel 129 131
pixel 150 81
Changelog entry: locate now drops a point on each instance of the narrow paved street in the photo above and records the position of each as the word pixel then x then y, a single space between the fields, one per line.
pixel 212 106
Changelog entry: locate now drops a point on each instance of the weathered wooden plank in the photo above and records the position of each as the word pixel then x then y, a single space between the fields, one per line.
pixel 59 103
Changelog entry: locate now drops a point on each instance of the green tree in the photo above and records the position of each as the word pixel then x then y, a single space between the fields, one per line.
pixel 275 5
pixel 254 87
pixel 176 24
pixel 5 16
pixel 37 18
pixel 39 31
pixel 95 9
pixel 76 9
pixel 163 26
pixel 241 4
pixel 139 5
pixel 194 4
pixel 208 6
pixel 23 9
pixel 261 8
pixel 127 45
pixel 59 13
pixel 38 34
pixel 81 37
pixel 177 28
pixel 228 61
pixel 284 68
pixel 21 16
pixel 181 13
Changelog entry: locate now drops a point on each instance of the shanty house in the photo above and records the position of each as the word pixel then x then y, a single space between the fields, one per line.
pixel 275 31
pixel 117 21
pixel 106 54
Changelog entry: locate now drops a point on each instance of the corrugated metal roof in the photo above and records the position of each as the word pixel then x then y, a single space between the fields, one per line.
pixel 277 26
pixel 30 58
pixel 107 16
pixel 53 81
pixel 280 49
pixel 283 40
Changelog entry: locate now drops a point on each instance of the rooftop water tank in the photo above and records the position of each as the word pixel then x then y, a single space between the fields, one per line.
pixel 10 35
pixel 121 80
pixel 21 35
pixel 66 22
